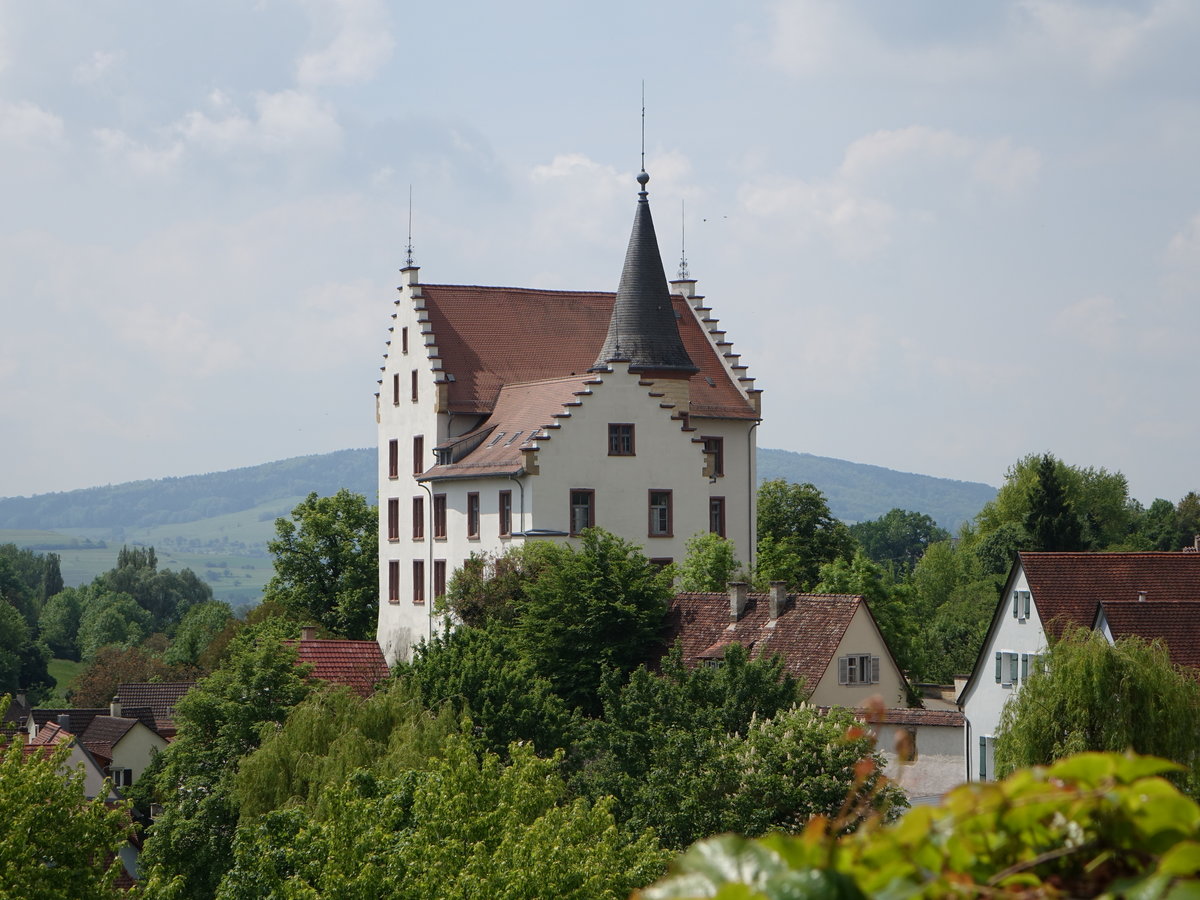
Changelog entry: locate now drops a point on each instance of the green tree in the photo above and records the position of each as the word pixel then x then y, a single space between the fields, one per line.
pixel 710 563
pixel 1158 528
pixel 327 563
pixel 796 534
pixel 491 588
pixel 111 666
pixel 111 619
pixel 898 538
pixel 200 625
pixel 60 619
pixel 1187 514
pixel 164 594
pixel 890 603
pixel 1051 521
pixel 54 842
pixel 1092 695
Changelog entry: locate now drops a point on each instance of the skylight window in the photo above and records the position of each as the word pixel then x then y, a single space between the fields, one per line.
pixel 516 434
pixel 494 441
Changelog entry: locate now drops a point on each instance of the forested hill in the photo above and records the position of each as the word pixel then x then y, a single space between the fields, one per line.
pixel 856 492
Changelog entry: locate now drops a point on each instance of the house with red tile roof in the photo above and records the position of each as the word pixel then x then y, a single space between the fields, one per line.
pixel 358 665
pixel 1148 594
pixel 159 697
pixel 121 741
pixel 513 414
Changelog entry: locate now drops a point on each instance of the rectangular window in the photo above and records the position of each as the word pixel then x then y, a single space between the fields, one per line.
pixel 661 561
pixel 473 515
pixel 393 459
pixel 395 390
pixel 439 516
pixel 418 454
pixel 716 515
pixel 121 777
pixel 403 341
pixel 583 510
pixel 393 581
pixel 439 578
pixel 620 440
pixel 505 513
pixel 860 668
pixel 414 385
pixel 660 514
pixel 418 522
pixel 715 448
pixel 418 581
pixel 393 519
pixel 1007 662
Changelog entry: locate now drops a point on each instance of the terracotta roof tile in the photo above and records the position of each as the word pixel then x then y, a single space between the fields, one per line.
pixel 1175 623
pixel 80 719
pixel 806 634
pixel 104 732
pixel 359 665
pixel 1068 586
pixel 160 697
pixel 943 717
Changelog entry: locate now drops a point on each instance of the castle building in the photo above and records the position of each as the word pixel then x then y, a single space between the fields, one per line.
pixel 509 414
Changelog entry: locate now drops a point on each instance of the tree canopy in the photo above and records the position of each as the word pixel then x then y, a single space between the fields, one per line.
pixel 797 534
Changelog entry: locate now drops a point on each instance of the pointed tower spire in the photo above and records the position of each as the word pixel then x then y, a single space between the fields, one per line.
pixel 643 330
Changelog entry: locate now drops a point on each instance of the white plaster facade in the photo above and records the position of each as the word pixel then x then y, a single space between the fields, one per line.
pixel 135 750
pixel 861 638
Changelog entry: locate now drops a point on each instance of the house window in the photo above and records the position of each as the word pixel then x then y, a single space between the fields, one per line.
pixel 395 390
pixel 393 519
pixel 393 459
pixel 714 447
pixel 983 755
pixel 439 578
pixel 620 440
pixel 414 385
pixel 120 777
pixel 1007 671
pixel 403 341
pixel 418 454
pixel 439 516
pixel 661 561
pixel 859 668
pixel 473 515
pixel 1020 605
pixel 418 581
pixel 716 515
pixel 583 510
pixel 660 514
pixel 418 522
pixel 393 581
pixel 505 513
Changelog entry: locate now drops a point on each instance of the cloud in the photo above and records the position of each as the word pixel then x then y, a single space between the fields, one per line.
pixel 360 46
pixel 95 67
pixel 1094 322
pixel 285 121
pixel 857 225
pixel 141 158
pixel 27 124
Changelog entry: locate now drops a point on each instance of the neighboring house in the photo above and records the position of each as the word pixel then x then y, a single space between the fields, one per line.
pixel 122 741
pixel 50 736
pixel 358 665
pixel 1045 594
pixel 1175 624
pixel 508 414
pixel 829 641
pixel 160 697
pixel 923 750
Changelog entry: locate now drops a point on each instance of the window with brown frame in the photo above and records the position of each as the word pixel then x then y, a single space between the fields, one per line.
pixel 418 454
pixel 716 515
pixel 414 385
pixel 393 581
pixel 583 509
pixel 620 439
pixel 439 578
pixel 404 340
pixel 395 390
pixel 393 519
pixel 393 459
pixel 439 517
pixel 473 514
pixel 660 514
pixel 505 513
pixel 418 581
pixel 715 448
pixel 418 522
pixel 661 561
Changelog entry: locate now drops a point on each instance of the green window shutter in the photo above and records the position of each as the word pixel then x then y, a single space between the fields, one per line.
pixel 1024 666
pixel 1012 661
pixel 998 664
pixel 843 666
pixel 874 670
pixel 1016 604
pixel 983 759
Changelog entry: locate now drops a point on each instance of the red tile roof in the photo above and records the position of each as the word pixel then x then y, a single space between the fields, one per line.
pixel 1067 587
pixel 485 340
pixel 80 719
pixel 942 717
pixel 806 634
pixel 1175 623
pixel 359 665
pixel 160 697
pixel 105 732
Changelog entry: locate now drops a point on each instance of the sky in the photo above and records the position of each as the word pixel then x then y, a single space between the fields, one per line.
pixel 943 236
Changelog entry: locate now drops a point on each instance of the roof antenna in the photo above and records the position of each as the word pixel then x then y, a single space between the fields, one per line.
pixel 408 260
pixel 683 269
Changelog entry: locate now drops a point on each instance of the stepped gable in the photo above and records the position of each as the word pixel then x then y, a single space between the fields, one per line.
pixel 806 634
pixel 1069 586
pixel 643 329
pixel 161 697
pixel 1174 623
pixel 358 665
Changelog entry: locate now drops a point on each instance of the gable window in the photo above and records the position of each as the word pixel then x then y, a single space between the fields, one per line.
pixel 714 447
pixel 403 341
pixel 418 454
pixel 583 510
pixel 1020 605
pixel 393 581
pixel 418 520
pixel 1007 663
pixel 620 440
pixel 505 513
pixel 418 581
pixel 439 578
pixel 473 515
pixel 716 515
pixel 439 516
pixel 395 390
pixel 660 514
pixel 393 459
pixel 120 777
pixel 393 519
pixel 858 668
pixel 414 385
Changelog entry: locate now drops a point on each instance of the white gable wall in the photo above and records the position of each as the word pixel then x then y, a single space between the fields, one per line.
pixel 862 637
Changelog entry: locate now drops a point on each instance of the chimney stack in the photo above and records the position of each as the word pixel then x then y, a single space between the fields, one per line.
pixel 114 708
pixel 1141 596
pixel 308 633
pixel 64 721
pixel 737 599
pixel 778 598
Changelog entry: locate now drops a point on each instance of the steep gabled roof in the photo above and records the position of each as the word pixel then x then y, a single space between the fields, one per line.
pixel 160 697
pixel 80 719
pixel 1067 587
pixel 806 634
pixel 1176 624
pixel 105 732
pixel 359 665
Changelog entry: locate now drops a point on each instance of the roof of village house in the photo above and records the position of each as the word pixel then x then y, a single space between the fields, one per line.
pixel 359 665
pixel 105 732
pixel 1067 587
pixel 161 697
pixel 80 719
pixel 806 634
pixel 17 710
pixel 1174 623
pixel 941 717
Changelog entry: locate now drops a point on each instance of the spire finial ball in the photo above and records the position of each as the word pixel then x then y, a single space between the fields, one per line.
pixel 642 178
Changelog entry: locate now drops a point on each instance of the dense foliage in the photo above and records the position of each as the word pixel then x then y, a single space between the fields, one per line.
pixel 797 534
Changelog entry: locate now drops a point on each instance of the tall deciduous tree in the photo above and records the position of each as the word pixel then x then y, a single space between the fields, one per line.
pixel 327 563
pixel 899 538
pixel 710 563
pixel 796 534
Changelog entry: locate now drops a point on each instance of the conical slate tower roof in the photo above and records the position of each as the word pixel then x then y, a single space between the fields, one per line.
pixel 643 329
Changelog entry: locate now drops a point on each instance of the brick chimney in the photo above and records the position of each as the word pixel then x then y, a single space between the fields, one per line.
pixel 114 708
pixel 737 599
pixel 64 721
pixel 308 633
pixel 778 599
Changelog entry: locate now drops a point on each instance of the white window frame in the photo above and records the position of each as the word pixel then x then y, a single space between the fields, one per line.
pixel 852 666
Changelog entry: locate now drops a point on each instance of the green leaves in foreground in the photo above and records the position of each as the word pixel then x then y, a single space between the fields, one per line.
pixel 1097 824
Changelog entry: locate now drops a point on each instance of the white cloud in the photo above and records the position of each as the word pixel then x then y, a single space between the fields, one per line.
pixel 360 46
pixel 27 124
pixel 1184 247
pixel 178 340
pixel 139 157
pixel 856 224
pixel 285 121
pixel 1094 322
pixel 95 67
